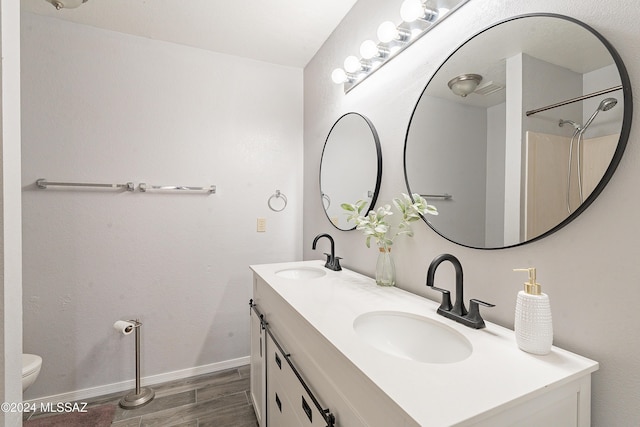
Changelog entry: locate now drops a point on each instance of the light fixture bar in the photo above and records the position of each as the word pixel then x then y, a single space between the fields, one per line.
pixel 392 43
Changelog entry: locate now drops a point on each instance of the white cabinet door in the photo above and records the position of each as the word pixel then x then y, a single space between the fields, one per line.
pixel 258 368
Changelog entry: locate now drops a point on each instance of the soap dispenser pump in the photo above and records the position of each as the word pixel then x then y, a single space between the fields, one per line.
pixel 533 325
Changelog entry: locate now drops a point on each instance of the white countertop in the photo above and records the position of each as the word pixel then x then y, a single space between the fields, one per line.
pixel 496 373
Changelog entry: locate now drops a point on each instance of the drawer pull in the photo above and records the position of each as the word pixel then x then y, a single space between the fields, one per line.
pixel 278 362
pixel 278 402
pixel 307 409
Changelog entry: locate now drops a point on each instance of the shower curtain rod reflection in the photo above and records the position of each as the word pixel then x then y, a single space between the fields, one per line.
pixel 571 101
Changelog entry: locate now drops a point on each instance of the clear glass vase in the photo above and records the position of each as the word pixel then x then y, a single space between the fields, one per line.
pixel 385 268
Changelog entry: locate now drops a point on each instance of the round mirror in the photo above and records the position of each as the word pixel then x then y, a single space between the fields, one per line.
pixel 518 131
pixel 350 168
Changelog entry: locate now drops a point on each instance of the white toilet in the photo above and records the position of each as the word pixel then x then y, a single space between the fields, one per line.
pixel 31 365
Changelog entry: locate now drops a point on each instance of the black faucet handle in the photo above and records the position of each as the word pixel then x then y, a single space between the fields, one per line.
pixel 328 263
pixel 477 302
pixel 445 305
pixel 474 312
pixel 333 263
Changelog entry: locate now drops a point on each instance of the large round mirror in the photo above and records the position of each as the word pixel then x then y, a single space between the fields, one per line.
pixel 518 131
pixel 350 168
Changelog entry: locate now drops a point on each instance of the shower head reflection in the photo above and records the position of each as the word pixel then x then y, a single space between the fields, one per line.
pixel 605 105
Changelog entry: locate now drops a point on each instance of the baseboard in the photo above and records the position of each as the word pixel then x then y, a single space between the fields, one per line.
pixel 88 393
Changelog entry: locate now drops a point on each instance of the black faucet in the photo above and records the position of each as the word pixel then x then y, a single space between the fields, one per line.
pixel 458 311
pixel 333 262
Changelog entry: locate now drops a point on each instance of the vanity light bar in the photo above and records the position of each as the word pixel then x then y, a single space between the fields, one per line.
pixel 418 19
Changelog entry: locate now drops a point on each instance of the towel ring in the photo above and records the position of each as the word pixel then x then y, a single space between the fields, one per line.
pixel 277 195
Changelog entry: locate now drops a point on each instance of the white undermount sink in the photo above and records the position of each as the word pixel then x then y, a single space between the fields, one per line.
pixel 412 337
pixel 301 273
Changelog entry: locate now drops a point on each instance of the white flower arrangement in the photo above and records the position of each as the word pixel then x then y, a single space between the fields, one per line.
pixel 375 223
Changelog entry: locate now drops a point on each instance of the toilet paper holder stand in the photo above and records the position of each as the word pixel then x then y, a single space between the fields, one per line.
pixel 141 395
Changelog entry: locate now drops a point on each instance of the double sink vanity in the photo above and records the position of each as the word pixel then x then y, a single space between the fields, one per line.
pixel 333 348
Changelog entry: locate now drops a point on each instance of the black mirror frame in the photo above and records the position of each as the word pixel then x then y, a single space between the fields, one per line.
pixel 376 190
pixel 617 156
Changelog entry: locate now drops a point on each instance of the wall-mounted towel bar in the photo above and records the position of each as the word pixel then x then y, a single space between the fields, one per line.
pixel 129 186
pixel 43 183
pixel 445 196
pixel 143 187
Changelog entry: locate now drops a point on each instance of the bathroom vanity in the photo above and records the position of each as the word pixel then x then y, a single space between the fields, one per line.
pixel 332 348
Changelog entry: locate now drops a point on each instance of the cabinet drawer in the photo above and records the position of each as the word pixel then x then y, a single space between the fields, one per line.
pixel 280 412
pixel 278 367
pixel 283 377
pixel 305 409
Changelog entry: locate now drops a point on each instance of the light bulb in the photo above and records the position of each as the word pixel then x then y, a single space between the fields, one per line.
pixel 352 64
pixel 411 10
pixel 369 49
pixel 338 76
pixel 387 31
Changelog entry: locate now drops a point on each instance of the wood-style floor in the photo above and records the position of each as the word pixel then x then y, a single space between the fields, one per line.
pixel 220 399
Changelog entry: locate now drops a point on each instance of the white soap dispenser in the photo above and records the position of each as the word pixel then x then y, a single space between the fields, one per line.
pixel 533 326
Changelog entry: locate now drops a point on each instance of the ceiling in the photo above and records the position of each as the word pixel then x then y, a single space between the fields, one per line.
pixel 486 54
pixel 285 32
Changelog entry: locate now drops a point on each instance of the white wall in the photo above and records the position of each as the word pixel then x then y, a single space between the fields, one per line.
pixel 513 164
pixel 100 106
pixel 543 81
pixel 496 146
pixel 430 170
pixel 589 268
pixel 10 213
